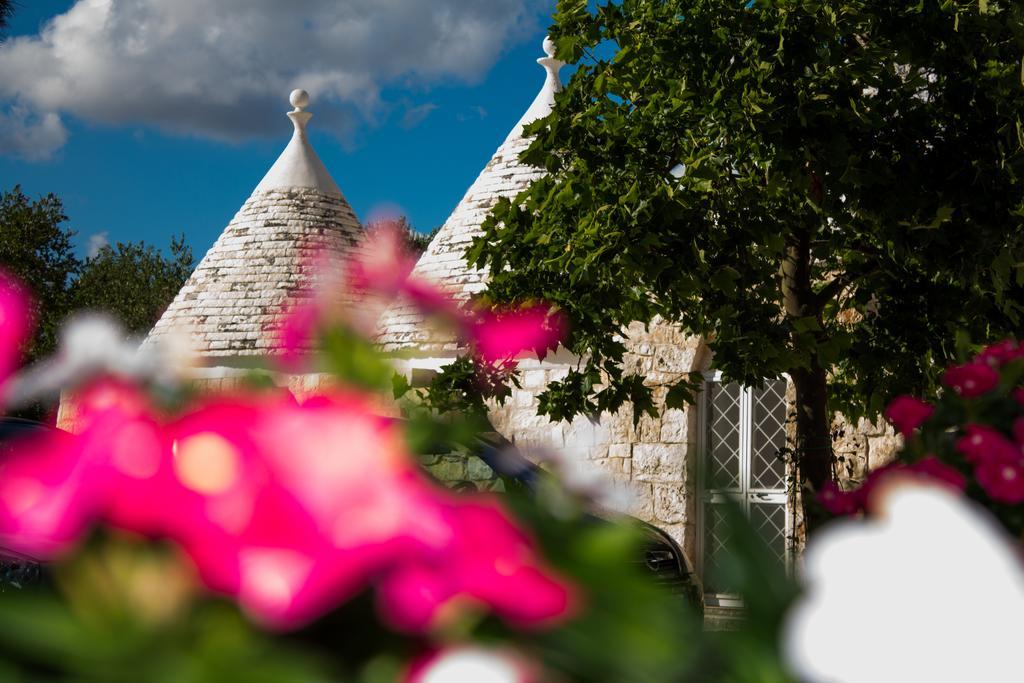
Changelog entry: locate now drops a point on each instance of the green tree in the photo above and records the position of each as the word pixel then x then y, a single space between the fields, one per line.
pixel 132 281
pixel 829 189
pixel 415 241
pixel 35 246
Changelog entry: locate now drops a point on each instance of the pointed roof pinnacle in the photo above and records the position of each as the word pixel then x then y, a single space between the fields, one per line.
pixel 545 100
pixel 299 166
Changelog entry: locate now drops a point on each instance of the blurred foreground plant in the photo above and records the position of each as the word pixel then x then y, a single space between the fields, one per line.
pixel 970 438
pixel 250 536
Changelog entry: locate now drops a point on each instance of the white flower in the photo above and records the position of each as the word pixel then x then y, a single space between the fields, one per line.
pixel 930 591
pixel 473 665
pixel 92 345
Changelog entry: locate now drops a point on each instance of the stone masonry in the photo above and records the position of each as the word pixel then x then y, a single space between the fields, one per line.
pixel 232 303
pixel 402 327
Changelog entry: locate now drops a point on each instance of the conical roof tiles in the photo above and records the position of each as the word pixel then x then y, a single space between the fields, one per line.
pixel 402 327
pixel 295 220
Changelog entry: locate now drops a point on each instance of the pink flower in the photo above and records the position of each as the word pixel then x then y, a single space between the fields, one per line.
pixel 1018 395
pixel 432 300
pixel 907 413
pixel 929 470
pixel 998 462
pixel 837 501
pixel 507 335
pixel 297 331
pixel 983 444
pixel 383 263
pixel 52 487
pixel 293 509
pixel 933 470
pixel 971 380
pixel 489 563
pixel 1002 480
pixel 15 323
pixel 998 354
pixel 47 499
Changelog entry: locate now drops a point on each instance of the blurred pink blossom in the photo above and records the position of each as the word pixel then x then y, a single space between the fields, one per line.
pixel 836 501
pixel 490 563
pixel 971 380
pixel 929 470
pixel 509 334
pixel 984 444
pixel 383 263
pixel 298 329
pixel 907 413
pixel 998 354
pixel 15 323
pixel 47 498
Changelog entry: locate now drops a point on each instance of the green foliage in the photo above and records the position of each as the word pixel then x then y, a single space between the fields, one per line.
pixel 36 247
pixel 132 281
pixel 415 241
pixel 830 187
pixel 419 241
pixel 125 611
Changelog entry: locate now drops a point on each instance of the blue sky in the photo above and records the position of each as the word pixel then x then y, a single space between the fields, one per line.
pixel 133 157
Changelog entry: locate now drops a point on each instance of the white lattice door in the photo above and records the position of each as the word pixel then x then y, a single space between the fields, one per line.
pixel 744 433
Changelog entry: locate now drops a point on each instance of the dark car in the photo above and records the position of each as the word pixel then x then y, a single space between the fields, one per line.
pixel 662 557
pixel 17 570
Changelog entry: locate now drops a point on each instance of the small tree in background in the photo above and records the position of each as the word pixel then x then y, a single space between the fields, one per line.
pixel 829 189
pixel 133 281
pixel 36 246
pixel 416 241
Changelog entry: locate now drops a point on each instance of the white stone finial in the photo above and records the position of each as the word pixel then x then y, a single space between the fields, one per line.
pixel 298 165
pixel 545 100
pixel 299 99
pixel 549 46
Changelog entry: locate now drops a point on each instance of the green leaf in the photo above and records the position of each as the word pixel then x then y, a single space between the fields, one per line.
pixel 399 385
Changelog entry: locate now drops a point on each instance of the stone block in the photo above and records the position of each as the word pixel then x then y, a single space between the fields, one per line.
pixel 534 379
pixel 882 450
pixel 617 468
pixel 620 450
pixel 523 398
pixel 659 462
pixel 649 429
pixel 641 501
pixel 449 469
pixel 670 502
pixel 478 470
pixel 674 427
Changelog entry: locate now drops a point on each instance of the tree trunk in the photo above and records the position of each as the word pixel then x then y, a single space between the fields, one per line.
pixel 813 426
pixel 813 423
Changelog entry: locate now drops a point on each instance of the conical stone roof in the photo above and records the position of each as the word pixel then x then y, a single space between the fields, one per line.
pixel 295 220
pixel 402 328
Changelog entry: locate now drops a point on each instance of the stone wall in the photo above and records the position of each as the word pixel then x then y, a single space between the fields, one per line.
pixel 862 447
pixel 655 460
pixel 651 460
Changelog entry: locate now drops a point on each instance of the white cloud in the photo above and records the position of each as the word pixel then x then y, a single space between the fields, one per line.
pixel 414 116
pixel 97 241
pixel 223 69
pixel 30 135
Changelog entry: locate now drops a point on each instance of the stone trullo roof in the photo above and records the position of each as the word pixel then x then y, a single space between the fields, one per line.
pixel 401 327
pixel 295 218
